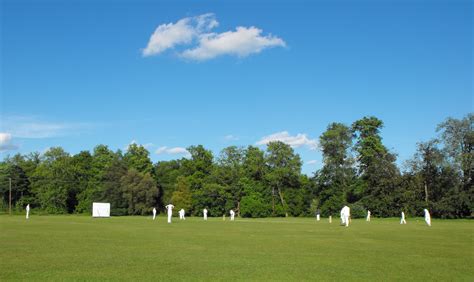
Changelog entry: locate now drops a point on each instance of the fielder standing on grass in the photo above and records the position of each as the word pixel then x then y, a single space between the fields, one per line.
pixel 204 212
pixel 232 214
pixel 368 215
pixel 169 208
pixel 345 214
pixel 427 217
pixel 403 221
pixel 154 213
pixel 27 211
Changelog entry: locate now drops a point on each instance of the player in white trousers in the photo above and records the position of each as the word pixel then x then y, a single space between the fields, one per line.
pixel 368 215
pixel 169 208
pixel 181 214
pixel 403 221
pixel 154 213
pixel 427 217
pixel 27 211
pixel 345 214
pixel 204 212
pixel 232 214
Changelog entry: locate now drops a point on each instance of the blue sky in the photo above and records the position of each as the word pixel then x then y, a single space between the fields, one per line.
pixel 83 73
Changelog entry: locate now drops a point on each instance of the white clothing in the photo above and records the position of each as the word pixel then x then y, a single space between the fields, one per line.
pixel 204 212
pixel 403 221
pixel 330 219
pixel 317 217
pixel 169 208
pixel 27 211
pixel 345 214
pixel 154 213
pixel 181 214
pixel 232 214
pixel 368 215
pixel 427 217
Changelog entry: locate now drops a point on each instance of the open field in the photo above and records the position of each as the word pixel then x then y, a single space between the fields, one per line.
pixel 137 248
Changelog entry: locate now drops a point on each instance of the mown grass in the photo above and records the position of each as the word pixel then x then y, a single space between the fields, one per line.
pixel 284 249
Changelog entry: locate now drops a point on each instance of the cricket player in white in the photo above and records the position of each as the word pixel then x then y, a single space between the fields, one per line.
pixel 181 214
pixel 368 215
pixel 169 208
pixel 427 217
pixel 204 212
pixel 27 211
pixel 154 213
pixel 403 221
pixel 232 214
pixel 345 214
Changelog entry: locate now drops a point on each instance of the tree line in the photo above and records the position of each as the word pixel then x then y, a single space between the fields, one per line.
pixel 358 170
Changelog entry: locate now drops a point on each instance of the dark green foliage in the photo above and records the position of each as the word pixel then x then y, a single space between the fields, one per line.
pixel 256 183
pixel 254 206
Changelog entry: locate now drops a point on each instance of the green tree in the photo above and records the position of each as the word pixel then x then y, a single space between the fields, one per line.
pixel 101 160
pixel 138 158
pixel 52 181
pixel 377 167
pixel 284 169
pixel 140 192
pixel 335 179
pixel 457 135
pixel 181 197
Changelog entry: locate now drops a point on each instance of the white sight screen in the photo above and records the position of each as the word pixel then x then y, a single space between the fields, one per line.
pixel 100 209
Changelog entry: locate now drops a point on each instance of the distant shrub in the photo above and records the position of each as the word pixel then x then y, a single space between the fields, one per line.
pixel 253 206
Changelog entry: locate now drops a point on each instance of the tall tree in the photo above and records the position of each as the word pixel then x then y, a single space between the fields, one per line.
pixel 138 158
pixel 140 192
pixel 458 138
pixel 52 181
pixel 376 166
pixel 335 178
pixel 283 173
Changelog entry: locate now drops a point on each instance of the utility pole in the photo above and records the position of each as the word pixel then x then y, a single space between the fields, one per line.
pixel 10 197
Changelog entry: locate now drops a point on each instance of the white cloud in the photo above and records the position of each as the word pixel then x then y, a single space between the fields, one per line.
pixel 172 151
pixel 169 35
pixel 5 142
pixel 311 162
pixel 231 137
pixel 241 42
pixel 296 141
pixel 36 128
pixel 194 32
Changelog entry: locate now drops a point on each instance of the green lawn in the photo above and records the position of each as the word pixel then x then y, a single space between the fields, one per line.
pixel 137 248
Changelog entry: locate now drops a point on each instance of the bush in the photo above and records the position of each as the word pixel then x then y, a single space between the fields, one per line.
pixel 253 206
pixel 358 210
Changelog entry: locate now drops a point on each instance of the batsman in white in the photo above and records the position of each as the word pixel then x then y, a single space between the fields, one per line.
pixel 232 214
pixel 368 215
pixel 204 212
pixel 403 221
pixel 27 211
pixel 181 214
pixel 169 208
pixel 345 214
pixel 154 213
pixel 427 217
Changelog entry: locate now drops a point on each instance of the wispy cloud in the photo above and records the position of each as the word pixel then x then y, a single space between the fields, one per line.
pixel 146 145
pixel 299 140
pixel 312 162
pixel 231 137
pixel 37 128
pixel 5 142
pixel 202 44
pixel 172 151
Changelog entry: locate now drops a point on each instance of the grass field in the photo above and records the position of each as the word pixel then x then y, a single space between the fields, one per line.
pixel 137 248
